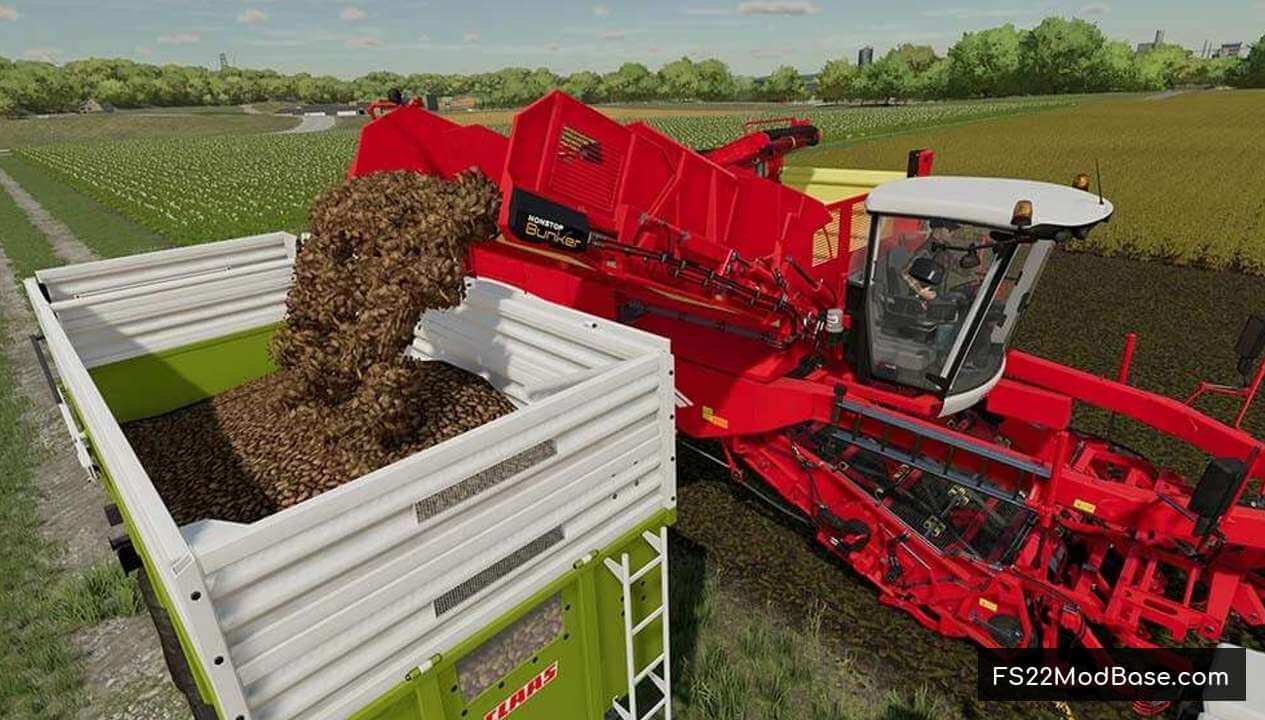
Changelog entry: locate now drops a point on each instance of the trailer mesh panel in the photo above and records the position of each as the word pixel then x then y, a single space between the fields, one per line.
pixel 497 570
pixel 509 648
pixel 435 504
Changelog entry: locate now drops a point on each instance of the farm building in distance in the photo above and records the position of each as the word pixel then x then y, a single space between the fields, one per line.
pixel 91 105
pixel 1232 50
pixel 458 102
pixel 865 56
pixel 1149 46
pixel 338 109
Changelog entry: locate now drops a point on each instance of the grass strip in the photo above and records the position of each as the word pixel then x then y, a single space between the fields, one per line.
pixel 735 664
pixel 39 676
pixel 40 673
pixel 25 246
pixel 108 233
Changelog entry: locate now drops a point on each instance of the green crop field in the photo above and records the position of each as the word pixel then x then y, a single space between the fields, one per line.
pixel 191 190
pixel 201 189
pixel 1183 172
pixel 25 132
pixel 841 124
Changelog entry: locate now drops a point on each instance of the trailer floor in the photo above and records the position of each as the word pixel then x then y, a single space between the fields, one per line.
pixel 246 454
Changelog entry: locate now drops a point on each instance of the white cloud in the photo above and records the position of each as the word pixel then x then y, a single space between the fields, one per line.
pixel 777 7
pixel 767 53
pixel 48 55
pixel 601 10
pixel 351 13
pixel 1095 9
pixel 252 16
pixel 362 42
pixel 972 13
pixel 613 35
pixel 423 39
pixel 143 51
pixel 553 47
pixel 470 38
pixel 707 11
pixel 8 13
pixel 189 38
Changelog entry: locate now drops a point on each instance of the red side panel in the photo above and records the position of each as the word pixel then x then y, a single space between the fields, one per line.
pixel 411 138
pixel 568 152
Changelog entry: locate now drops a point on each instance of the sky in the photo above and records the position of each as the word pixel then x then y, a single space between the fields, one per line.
pixel 753 36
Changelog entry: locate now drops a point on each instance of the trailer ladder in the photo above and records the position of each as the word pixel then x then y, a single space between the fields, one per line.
pixel 662 679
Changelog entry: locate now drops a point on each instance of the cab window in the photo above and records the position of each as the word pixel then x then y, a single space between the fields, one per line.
pixel 920 295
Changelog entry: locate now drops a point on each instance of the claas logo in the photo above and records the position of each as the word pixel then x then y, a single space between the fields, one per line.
pixel 523 694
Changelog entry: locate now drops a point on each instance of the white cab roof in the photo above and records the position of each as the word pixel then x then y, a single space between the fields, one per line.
pixel 987 201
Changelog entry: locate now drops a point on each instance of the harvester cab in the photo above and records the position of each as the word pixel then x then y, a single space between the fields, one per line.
pixel 950 266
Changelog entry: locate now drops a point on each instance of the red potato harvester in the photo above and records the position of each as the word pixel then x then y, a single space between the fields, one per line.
pixel 854 354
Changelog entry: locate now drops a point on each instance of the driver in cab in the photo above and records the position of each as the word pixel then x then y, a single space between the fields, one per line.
pixel 943 298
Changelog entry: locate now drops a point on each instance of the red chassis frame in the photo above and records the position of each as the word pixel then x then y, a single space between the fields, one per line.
pixel 1040 535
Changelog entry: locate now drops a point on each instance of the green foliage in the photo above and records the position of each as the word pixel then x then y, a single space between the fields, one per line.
pixel 1163 67
pixel 1251 73
pixel 715 81
pixel 1060 56
pixel 783 85
pixel 1057 56
pixel 631 82
pixel 919 58
pixel 835 82
pixel 933 82
pixel 985 64
pixel 680 79
pixel 886 79
pixel 585 85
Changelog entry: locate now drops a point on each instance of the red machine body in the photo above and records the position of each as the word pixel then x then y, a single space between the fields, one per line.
pixel 1000 523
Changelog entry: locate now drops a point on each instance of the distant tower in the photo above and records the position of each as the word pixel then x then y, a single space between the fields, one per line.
pixel 1159 38
pixel 865 56
pixel 223 61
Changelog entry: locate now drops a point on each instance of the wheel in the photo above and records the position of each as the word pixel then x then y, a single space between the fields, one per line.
pixel 177 664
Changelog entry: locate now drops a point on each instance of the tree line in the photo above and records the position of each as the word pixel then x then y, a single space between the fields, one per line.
pixel 1056 56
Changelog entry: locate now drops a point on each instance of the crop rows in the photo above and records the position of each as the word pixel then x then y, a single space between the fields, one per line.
pixel 1184 173
pixel 192 190
pixel 842 124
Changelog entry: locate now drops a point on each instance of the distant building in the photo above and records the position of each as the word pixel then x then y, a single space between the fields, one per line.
pixel 1149 46
pixel 458 102
pixel 91 105
pixel 865 56
pixel 1231 50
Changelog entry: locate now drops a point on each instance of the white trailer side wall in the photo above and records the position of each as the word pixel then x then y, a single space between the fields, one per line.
pixel 322 607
